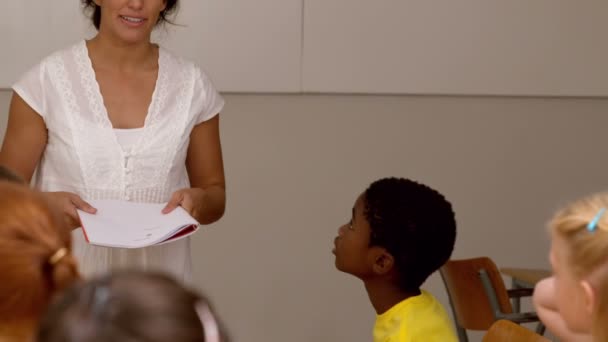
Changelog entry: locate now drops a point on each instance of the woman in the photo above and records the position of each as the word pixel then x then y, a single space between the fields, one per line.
pixel 118 117
pixel 36 262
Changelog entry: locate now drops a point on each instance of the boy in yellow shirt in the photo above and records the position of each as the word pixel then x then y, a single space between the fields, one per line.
pixel 400 232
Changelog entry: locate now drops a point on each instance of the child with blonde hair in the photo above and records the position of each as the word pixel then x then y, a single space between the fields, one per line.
pixel 573 303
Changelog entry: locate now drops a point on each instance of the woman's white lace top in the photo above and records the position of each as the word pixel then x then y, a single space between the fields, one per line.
pixel 84 154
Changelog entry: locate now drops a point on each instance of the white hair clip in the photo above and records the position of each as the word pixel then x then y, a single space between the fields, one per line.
pixel 212 331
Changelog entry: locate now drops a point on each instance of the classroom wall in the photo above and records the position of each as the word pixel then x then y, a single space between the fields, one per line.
pixel 296 163
pixel 470 47
pixel 465 47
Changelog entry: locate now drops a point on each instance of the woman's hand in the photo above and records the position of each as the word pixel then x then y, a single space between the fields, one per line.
pixel 67 203
pixel 191 199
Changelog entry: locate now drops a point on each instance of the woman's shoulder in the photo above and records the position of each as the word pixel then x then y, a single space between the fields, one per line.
pixel 64 53
pixel 76 47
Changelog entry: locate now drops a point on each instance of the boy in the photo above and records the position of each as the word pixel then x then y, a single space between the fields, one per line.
pixel 401 232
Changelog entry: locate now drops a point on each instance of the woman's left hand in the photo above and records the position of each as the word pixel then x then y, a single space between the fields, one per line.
pixel 191 199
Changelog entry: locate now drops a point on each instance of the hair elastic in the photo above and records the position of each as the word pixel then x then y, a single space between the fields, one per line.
pixel 60 254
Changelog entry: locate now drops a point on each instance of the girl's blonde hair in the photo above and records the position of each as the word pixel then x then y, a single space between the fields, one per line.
pixel 587 251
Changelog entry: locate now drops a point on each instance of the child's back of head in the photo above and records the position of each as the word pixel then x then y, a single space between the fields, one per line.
pixel 579 255
pixel 131 306
pixel 35 258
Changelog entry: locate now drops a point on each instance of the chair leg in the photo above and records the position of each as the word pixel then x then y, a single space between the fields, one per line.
pixel 540 328
pixel 462 334
pixel 516 300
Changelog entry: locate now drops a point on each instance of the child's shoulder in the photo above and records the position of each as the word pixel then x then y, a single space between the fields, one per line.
pixel 425 319
pixel 417 318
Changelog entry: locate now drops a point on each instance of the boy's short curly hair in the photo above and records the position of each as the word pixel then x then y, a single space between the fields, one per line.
pixel 416 225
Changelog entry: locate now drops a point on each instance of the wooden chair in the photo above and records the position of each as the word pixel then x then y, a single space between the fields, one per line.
pixel 507 331
pixel 478 296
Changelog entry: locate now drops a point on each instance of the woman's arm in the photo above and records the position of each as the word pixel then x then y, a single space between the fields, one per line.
pixel 25 139
pixel 206 199
pixel 24 143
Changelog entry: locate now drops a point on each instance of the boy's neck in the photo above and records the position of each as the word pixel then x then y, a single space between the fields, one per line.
pixel 384 295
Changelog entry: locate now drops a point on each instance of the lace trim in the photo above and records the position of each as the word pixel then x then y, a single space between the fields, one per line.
pixel 90 85
pixel 146 195
pixel 58 73
pixel 159 97
pixel 91 151
pixel 172 122
pixel 156 164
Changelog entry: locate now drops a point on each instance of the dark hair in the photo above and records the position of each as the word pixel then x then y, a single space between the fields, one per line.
pixel 8 175
pixel 90 5
pixel 125 306
pixel 414 223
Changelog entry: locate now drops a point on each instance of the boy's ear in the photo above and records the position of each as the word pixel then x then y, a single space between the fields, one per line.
pixel 383 261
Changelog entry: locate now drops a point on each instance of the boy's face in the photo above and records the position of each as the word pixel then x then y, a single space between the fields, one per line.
pixel 352 245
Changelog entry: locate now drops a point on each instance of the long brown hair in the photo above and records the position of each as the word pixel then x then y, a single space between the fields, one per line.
pixel 35 258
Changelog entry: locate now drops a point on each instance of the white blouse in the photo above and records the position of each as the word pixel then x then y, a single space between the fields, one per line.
pixel 127 137
pixel 84 153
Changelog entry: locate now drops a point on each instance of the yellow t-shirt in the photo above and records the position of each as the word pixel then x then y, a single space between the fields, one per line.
pixel 417 319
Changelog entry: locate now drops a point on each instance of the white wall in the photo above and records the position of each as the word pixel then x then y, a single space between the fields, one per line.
pixel 472 47
pixel 509 47
pixel 295 164
pixel 238 42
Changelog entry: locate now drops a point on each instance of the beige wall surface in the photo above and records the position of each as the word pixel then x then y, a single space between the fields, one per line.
pixel 295 164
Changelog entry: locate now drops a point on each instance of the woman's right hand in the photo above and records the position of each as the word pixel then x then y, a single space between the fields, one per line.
pixel 67 203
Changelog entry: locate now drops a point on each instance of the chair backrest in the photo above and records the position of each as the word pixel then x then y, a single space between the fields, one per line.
pixel 471 306
pixel 507 331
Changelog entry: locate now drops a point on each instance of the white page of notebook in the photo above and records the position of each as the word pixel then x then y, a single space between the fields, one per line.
pixel 132 225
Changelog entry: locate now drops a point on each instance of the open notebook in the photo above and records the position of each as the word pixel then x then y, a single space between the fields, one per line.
pixel 134 225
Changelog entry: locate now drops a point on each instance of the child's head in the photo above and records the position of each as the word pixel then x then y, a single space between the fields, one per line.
pixel 8 175
pixel 35 258
pixel 579 256
pixel 130 306
pixel 400 230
